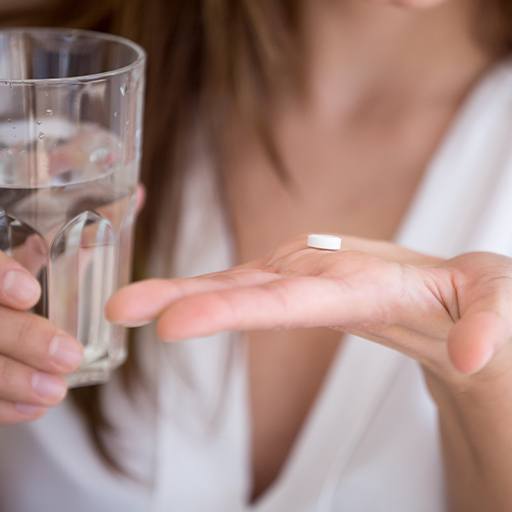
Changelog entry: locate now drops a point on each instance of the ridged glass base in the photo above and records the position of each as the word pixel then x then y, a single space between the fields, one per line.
pixel 97 372
pixel 88 377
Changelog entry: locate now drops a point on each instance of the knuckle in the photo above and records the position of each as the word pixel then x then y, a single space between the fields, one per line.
pixel 25 329
pixel 7 373
pixel 32 328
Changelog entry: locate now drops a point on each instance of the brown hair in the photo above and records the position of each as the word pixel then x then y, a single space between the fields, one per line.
pixel 206 51
pixel 207 59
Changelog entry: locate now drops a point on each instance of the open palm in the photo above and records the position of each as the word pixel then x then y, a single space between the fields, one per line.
pixel 447 314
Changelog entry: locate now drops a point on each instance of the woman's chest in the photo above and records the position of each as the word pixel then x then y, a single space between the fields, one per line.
pixel 356 180
pixel 287 369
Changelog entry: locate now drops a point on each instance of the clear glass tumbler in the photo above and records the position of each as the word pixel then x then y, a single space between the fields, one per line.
pixel 70 132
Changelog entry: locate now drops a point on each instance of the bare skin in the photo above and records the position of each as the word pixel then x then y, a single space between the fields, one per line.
pixel 384 293
pixel 355 160
pixel 338 184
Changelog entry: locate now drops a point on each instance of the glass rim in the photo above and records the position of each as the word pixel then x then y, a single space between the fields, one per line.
pixel 92 77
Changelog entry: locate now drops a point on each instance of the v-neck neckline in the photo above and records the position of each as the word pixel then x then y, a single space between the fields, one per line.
pixel 312 452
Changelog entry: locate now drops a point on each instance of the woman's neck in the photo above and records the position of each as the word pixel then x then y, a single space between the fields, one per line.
pixel 357 52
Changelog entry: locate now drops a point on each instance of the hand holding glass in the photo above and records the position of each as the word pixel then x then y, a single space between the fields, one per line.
pixel 70 132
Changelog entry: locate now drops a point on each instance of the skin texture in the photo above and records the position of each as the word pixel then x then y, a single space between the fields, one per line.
pixel 35 356
pixel 370 288
pixel 353 103
pixel 351 46
pixel 384 293
pixel 356 145
pixel 27 350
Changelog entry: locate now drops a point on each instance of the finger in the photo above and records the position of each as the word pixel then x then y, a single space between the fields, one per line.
pixel 18 288
pixel 485 324
pixel 20 383
pixel 475 339
pixel 11 412
pixel 36 342
pixel 141 302
pixel 291 303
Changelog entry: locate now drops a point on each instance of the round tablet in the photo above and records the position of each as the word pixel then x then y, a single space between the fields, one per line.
pixel 327 242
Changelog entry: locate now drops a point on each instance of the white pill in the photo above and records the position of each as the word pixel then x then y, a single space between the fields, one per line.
pixel 327 242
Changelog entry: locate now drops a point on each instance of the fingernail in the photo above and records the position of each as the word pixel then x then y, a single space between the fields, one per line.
pixel 28 410
pixel 66 352
pixel 48 386
pixel 20 286
pixel 135 323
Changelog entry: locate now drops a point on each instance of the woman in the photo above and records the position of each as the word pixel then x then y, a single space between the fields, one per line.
pixel 379 120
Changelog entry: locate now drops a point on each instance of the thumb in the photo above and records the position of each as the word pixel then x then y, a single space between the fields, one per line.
pixel 483 294
pixel 476 338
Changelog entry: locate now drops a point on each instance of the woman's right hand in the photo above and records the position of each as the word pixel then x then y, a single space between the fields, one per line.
pixel 34 354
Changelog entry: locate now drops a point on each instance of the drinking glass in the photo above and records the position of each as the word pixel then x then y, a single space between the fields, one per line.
pixel 70 133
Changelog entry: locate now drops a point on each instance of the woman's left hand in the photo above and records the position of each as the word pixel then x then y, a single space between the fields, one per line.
pixel 453 316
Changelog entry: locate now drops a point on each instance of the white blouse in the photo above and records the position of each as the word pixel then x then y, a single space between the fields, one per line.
pixel 370 442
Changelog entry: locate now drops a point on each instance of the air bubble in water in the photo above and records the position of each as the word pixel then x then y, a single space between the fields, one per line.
pixel 115 114
pixel 38 122
pixel 123 89
pixel 49 112
pixel 41 136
